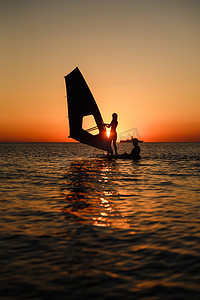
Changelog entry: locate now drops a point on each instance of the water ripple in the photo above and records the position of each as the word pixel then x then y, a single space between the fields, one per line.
pixel 75 226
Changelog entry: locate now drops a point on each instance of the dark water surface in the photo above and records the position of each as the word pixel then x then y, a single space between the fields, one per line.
pixel 73 226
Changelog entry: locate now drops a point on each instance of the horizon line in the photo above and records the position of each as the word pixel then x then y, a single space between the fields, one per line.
pixel 74 142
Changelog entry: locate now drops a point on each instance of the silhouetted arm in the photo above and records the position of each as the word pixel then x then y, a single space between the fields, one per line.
pixel 107 125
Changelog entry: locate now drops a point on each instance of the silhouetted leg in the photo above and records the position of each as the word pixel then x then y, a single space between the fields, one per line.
pixel 115 146
pixel 110 152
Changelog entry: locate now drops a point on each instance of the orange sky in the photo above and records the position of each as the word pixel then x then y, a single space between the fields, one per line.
pixel 139 58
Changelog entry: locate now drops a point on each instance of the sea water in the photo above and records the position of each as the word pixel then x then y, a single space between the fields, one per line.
pixel 76 226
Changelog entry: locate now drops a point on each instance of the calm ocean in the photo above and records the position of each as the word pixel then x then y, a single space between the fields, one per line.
pixel 74 226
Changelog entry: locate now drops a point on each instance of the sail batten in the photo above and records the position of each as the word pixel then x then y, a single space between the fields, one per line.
pixel 82 103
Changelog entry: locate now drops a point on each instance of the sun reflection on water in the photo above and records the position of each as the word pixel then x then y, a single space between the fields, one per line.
pixel 92 195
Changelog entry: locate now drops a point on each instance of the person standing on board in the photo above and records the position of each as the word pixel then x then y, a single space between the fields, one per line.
pixel 113 132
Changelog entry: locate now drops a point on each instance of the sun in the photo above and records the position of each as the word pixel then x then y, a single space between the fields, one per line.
pixel 108 132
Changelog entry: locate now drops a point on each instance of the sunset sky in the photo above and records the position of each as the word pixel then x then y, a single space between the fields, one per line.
pixel 140 58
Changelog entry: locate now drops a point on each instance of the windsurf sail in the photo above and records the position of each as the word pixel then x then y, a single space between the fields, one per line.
pixel 81 103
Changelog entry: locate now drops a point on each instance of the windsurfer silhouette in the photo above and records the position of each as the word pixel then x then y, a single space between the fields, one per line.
pixel 113 132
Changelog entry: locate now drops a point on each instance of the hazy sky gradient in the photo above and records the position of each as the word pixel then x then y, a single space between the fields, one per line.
pixel 140 59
